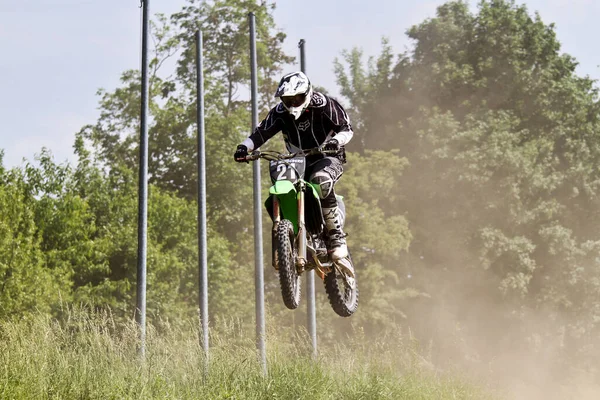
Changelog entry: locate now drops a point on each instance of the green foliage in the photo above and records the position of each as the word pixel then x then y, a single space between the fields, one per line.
pixel 377 238
pixel 26 283
pixel 363 88
pixel 225 28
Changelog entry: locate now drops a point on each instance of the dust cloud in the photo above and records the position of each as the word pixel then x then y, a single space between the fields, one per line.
pixel 524 351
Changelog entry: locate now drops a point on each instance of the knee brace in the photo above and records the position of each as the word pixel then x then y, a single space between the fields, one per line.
pixel 324 183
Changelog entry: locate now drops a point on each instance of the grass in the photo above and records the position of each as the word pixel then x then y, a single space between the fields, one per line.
pixel 90 356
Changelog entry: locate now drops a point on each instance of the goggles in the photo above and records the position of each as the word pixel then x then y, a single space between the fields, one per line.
pixel 293 101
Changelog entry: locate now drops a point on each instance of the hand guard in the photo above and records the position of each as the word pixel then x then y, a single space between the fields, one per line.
pixel 240 154
pixel 332 145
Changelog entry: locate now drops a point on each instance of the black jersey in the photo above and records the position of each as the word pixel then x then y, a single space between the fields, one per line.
pixel 323 119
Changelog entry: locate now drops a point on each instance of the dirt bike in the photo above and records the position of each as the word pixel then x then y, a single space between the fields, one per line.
pixel 299 236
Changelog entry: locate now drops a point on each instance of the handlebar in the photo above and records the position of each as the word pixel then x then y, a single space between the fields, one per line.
pixel 272 155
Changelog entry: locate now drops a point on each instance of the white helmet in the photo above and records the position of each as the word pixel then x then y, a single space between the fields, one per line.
pixel 295 92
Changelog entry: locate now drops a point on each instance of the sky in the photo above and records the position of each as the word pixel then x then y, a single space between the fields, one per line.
pixel 56 54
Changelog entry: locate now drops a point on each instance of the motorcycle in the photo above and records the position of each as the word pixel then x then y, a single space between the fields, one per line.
pixel 299 236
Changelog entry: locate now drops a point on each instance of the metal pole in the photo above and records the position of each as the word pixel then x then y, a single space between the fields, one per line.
pixel 202 238
pixel 311 309
pixel 302 55
pixel 258 242
pixel 143 187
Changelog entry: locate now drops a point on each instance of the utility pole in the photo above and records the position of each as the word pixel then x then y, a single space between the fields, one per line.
pixel 311 309
pixel 143 187
pixel 259 280
pixel 202 235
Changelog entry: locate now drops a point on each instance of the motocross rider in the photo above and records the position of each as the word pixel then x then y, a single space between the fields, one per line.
pixel 309 119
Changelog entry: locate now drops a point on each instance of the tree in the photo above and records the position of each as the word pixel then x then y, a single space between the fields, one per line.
pixel 500 191
pixel 27 281
pixel 172 147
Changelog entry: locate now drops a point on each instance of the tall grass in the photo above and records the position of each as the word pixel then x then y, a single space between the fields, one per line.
pixel 90 356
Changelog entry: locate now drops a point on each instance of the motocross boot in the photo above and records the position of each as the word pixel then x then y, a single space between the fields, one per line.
pixel 334 222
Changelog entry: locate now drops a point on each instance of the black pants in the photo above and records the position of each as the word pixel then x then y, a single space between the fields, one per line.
pixel 325 172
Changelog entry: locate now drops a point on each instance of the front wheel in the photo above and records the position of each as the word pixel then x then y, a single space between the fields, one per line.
pixel 342 289
pixel 286 258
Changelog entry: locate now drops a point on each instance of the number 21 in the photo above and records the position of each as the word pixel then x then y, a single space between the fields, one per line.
pixel 282 169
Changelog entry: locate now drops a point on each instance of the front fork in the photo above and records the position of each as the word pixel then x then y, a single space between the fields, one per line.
pixel 276 219
pixel 301 260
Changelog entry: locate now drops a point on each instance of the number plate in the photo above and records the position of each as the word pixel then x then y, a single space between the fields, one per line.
pixel 289 170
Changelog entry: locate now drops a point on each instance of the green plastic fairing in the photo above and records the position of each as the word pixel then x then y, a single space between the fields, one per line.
pixel 282 187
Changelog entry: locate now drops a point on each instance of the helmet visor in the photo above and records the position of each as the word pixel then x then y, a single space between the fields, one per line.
pixel 294 101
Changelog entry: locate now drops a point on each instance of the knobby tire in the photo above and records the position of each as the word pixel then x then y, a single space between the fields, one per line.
pixel 343 299
pixel 288 275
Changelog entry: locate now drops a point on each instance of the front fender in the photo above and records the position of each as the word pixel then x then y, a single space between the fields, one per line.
pixel 282 187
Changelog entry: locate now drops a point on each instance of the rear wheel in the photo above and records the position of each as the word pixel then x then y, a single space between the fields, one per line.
pixel 286 258
pixel 342 289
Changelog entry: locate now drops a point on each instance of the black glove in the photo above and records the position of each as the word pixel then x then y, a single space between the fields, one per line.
pixel 241 153
pixel 332 145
